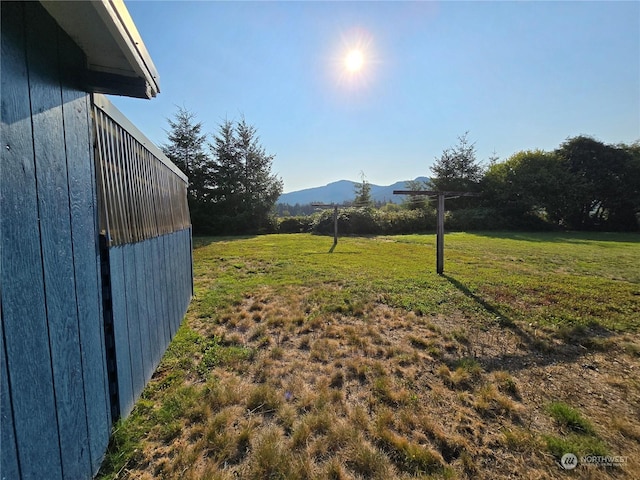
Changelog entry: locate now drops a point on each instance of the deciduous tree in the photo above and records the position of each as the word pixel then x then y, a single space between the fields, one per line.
pixel 602 192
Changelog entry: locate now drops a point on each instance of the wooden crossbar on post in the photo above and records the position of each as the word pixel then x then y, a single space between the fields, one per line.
pixel 441 195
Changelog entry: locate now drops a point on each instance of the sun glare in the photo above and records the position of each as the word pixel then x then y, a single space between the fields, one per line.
pixel 354 61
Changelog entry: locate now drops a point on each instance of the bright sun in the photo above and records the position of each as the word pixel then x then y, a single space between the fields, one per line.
pixel 354 61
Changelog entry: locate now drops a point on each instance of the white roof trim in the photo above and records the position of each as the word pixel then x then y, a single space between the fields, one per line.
pixel 107 35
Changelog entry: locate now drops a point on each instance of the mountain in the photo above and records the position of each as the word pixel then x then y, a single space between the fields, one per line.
pixel 343 191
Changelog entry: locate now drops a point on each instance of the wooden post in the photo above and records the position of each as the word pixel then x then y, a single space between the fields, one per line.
pixel 335 225
pixel 335 222
pixel 440 227
pixel 440 236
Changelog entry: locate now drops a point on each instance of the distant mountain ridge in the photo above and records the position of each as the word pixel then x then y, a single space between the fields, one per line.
pixel 343 191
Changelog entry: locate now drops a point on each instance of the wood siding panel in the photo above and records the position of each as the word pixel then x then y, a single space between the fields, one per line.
pixel 140 273
pixel 121 330
pixel 54 384
pixel 136 334
pixel 138 289
pixel 24 318
pixel 9 462
pixel 55 225
pixel 158 344
pixel 160 291
pixel 82 199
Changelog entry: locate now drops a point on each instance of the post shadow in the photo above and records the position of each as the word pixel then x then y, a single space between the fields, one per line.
pixel 492 309
pixel 567 353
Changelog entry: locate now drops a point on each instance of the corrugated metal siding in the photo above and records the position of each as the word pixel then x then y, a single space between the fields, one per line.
pixel 143 197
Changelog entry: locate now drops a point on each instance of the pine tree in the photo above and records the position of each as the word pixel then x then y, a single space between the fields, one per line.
pixel 457 169
pixel 415 202
pixel 186 151
pixel 245 189
pixel 363 192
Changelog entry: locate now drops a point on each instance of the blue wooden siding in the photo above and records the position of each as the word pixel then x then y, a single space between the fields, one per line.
pixel 139 314
pixel 82 327
pixel 53 347
pixel 25 337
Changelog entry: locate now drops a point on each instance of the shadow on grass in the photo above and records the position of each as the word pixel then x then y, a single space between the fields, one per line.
pixel 332 251
pixel 578 340
pixel 493 310
pixel 563 237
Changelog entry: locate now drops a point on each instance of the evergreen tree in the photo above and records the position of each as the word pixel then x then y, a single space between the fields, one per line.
pixel 226 171
pixel 415 202
pixel 458 170
pixel 186 150
pixel 363 193
pixel 245 190
pixel 260 188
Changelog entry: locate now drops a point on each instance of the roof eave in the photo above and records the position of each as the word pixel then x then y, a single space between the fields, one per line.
pixel 118 62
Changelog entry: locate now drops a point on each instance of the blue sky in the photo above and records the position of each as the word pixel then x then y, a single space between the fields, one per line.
pixel 516 75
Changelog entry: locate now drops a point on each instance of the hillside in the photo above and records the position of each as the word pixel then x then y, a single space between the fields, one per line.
pixel 343 191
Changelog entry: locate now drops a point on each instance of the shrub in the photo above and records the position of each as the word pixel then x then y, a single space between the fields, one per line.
pixel 481 218
pixel 393 221
pixel 369 221
pixel 295 225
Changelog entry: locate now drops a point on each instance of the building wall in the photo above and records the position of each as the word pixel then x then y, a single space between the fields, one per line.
pixel 55 412
pixel 84 320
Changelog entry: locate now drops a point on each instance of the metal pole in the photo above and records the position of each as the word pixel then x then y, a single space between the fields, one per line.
pixel 440 236
pixel 335 225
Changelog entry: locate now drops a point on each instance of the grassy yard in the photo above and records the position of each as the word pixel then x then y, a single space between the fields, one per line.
pixel 297 363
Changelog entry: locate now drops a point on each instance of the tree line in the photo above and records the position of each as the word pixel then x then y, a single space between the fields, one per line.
pixel 584 184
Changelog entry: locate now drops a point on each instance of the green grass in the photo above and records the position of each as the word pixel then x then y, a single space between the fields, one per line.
pixel 549 279
pixel 294 362
pixel 579 445
pixel 569 417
